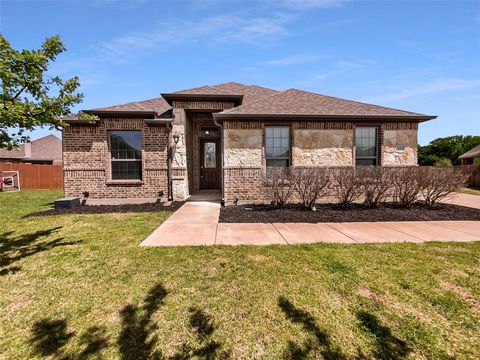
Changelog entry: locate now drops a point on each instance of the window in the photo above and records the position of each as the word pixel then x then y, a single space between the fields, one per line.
pixel 210 155
pixel 366 146
pixel 126 155
pixel 277 146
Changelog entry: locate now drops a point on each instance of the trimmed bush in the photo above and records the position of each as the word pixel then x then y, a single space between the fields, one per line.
pixel 437 183
pixel 348 185
pixel 311 183
pixel 280 184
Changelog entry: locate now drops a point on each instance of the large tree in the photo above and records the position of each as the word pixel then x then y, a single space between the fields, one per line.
pixel 446 150
pixel 30 97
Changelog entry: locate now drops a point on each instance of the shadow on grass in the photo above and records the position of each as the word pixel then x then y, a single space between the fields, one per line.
pixel 319 341
pixel 136 340
pixel 14 248
pixel 388 346
pixel 49 337
pixel 202 326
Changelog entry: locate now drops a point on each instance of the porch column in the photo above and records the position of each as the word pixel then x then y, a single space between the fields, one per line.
pixel 179 154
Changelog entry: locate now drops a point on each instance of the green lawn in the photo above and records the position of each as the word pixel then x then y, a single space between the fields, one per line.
pixel 470 191
pixel 79 287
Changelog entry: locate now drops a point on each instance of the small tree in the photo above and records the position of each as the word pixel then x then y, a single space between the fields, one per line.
pixel 437 183
pixel 280 184
pixel 29 97
pixel 348 185
pixel 310 184
pixel 376 183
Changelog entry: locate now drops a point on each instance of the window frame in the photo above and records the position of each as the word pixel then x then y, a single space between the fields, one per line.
pixel 377 145
pixel 111 160
pixel 287 158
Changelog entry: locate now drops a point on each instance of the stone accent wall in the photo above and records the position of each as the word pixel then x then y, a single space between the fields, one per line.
pixel 243 147
pixel 314 147
pixel 87 160
pixel 399 147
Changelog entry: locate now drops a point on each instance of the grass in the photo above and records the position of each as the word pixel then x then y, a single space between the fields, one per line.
pixel 470 191
pixel 79 287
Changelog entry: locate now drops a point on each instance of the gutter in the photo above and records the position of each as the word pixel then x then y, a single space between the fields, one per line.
pixel 234 116
pixel 222 180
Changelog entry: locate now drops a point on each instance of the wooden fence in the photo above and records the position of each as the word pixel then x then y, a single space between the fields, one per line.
pixel 33 176
pixel 473 173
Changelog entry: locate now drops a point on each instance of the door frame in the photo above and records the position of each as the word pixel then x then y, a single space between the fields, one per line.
pixel 202 159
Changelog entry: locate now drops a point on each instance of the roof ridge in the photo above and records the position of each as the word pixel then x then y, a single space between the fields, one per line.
pixel 277 92
pixel 354 101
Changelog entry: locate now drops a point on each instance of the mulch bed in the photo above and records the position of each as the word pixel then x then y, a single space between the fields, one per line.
pixel 334 213
pixel 106 209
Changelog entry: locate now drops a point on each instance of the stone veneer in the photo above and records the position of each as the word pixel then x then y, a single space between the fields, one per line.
pixel 328 144
pixel 400 147
pixel 86 158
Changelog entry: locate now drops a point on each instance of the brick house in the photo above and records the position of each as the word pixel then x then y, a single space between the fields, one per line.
pixel 223 137
pixel 46 150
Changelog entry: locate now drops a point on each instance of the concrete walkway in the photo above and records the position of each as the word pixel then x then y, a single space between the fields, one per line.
pixel 467 200
pixel 196 223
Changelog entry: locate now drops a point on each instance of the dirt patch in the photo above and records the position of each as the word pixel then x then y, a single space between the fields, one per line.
pixel 335 213
pixel 110 209
pixel 464 295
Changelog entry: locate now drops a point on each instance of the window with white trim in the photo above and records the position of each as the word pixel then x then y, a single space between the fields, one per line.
pixel 277 146
pixel 366 146
pixel 126 155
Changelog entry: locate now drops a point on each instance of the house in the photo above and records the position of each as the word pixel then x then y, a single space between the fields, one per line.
pixel 223 137
pixel 45 150
pixel 472 156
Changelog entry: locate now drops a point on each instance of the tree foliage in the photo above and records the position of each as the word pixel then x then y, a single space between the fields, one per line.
pixel 30 97
pixel 444 151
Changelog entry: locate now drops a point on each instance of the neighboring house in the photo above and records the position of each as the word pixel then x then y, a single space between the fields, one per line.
pixel 223 137
pixel 46 150
pixel 472 156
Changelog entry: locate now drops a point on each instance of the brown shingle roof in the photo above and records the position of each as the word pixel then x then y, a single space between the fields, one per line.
pixel 259 100
pixel 251 93
pixel 471 153
pixel 298 102
pixel 205 90
pixel 158 105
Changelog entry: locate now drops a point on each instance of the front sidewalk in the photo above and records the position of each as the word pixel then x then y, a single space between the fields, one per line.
pixel 196 223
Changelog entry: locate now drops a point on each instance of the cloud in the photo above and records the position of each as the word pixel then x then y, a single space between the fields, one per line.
pixel 435 86
pixel 258 31
pixel 295 59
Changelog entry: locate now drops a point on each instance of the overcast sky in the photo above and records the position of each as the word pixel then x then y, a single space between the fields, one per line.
pixel 422 56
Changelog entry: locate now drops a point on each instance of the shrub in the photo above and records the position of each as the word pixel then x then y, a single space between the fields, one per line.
pixel 348 185
pixel 376 183
pixel 406 184
pixel 310 183
pixel 436 183
pixel 280 184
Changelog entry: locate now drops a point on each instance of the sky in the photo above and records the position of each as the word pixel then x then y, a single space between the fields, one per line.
pixel 422 56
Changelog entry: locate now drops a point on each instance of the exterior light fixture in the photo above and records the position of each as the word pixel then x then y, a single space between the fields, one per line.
pixel 207 132
pixel 176 138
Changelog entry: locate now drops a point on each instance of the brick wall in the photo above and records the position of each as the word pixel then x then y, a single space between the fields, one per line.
pixel 87 160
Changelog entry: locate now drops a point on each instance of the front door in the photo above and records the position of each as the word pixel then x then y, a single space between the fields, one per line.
pixel 209 164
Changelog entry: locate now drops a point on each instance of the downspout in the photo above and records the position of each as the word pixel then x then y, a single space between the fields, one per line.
pixel 169 163
pixel 222 202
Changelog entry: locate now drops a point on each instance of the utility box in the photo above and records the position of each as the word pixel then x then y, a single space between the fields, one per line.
pixel 67 203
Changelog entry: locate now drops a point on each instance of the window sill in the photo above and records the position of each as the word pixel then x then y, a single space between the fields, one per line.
pixel 124 182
